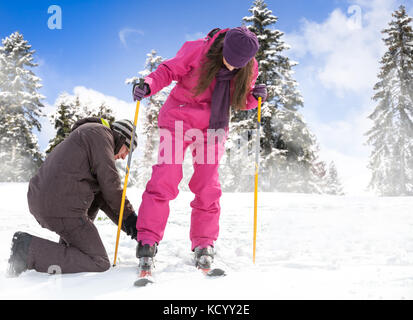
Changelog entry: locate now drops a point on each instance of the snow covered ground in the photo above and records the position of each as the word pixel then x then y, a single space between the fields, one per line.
pixel 309 247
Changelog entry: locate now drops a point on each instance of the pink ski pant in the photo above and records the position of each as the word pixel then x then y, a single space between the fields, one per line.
pixel 166 176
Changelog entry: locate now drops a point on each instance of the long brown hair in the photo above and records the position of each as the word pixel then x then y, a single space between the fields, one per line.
pixel 213 62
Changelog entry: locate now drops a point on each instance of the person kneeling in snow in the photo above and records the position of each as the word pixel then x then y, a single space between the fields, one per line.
pixel 77 179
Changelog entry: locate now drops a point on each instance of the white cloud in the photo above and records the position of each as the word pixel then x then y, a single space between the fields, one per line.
pixel 125 32
pixel 345 48
pixel 195 36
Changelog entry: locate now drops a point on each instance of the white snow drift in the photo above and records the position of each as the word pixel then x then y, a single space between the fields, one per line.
pixel 309 247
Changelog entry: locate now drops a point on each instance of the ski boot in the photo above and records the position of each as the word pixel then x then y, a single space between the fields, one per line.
pixel 204 258
pixel 19 254
pixel 145 254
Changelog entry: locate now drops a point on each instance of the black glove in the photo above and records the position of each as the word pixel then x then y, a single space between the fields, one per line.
pixel 130 226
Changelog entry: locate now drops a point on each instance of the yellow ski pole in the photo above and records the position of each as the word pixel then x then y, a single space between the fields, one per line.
pixel 125 184
pixel 257 159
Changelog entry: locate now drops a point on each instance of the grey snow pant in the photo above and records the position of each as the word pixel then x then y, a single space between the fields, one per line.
pixel 80 248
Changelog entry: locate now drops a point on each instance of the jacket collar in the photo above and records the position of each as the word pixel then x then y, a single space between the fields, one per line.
pixel 118 138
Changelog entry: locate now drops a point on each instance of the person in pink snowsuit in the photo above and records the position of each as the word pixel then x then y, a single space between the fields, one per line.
pixel 211 74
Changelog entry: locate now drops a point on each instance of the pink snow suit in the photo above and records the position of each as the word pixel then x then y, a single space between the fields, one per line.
pixel 186 112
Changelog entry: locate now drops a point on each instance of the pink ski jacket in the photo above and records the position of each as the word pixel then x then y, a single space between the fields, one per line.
pixel 180 105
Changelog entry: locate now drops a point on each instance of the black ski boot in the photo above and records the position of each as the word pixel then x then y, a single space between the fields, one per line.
pixel 145 254
pixel 19 254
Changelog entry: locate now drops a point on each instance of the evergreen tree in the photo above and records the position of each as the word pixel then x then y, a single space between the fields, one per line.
pixel 83 109
pixel 288 148
pixel 70 109
pixel 63 121
pixel 275 68
pixel 391 137
pixel 334 186
pixel 238 164
pixel 321 172
pixel 19 156
pixel 292 165
pixel 103 111
pixel 20 110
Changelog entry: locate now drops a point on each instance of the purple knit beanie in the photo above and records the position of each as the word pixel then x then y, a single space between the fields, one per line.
pixel 240 46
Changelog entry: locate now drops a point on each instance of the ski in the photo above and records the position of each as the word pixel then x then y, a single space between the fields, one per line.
pixel 203 262
pixel 146 265
pixel 213 273
pixel 145 278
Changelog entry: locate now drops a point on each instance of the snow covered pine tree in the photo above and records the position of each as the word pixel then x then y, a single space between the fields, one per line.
pixel 391 160
pixel 20 108
pixel 72 108
pixel 63 120
pixel 289 151
pixel 333 183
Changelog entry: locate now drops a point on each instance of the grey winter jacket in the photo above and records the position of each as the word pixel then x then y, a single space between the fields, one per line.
pixel 79 169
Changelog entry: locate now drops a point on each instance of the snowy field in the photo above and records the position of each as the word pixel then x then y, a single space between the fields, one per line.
pixel 309 247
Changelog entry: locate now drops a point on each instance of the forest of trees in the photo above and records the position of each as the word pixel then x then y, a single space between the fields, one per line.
pixel 290 154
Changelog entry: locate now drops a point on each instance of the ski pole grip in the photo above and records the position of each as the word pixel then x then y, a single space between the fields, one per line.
pixel 141 83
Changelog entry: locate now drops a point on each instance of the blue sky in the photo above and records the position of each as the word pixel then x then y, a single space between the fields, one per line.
pixel 88 51
pixel 336 42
